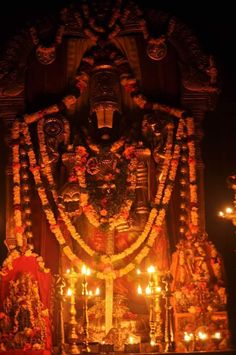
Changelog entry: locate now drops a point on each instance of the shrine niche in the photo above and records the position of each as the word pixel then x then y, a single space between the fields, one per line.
pixel 103 131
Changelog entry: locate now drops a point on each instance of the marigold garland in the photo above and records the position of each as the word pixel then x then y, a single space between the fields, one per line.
pixel 194 217
pixel 56 229
pixel 17 208
pixel 83 153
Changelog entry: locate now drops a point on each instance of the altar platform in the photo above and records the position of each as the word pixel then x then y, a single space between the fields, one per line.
pixel 47 352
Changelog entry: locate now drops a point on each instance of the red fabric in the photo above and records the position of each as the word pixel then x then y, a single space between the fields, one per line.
pixel 28 264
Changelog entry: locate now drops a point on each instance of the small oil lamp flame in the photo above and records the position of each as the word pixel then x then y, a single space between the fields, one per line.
pixel 151 269
pixel 217 335
pixel 69 292
pixel 140 291
pixel 202 336
pixel 131 340
pixel 148 290
pixel 188 337
pixel 152 343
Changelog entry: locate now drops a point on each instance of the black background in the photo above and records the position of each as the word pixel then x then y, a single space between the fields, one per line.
pixel 214 24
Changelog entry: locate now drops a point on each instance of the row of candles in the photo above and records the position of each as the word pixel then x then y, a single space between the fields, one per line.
pixel 153 292
pixel 190 339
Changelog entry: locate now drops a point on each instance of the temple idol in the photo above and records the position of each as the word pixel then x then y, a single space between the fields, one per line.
pixel 102 107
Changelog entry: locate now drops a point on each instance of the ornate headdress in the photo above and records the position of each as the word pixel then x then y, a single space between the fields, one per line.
pixel 105 94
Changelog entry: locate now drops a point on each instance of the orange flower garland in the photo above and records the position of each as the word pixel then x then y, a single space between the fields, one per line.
pixel 194 217
pixel 19 229
pixel 157 216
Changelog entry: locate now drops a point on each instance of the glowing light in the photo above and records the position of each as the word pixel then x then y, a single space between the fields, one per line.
pixel 140 291
pixel 68 271
pixel 97 291
pixel 131 340
pixel 151 269
pixel 217 335
pixel 221 214
pixel 202 336
pixel 152 343
pixel 85 270
pixel 188 337
pixel 69 292
pixel 148 290
pixel 138 272
pixel 229 210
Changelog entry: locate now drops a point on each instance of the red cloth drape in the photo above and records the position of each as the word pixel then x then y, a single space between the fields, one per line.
pixel 28 264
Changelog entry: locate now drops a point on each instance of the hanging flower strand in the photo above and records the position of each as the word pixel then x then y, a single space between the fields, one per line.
pixel 159 218
pixel 17 208
pixel 194 217
pixel 46 54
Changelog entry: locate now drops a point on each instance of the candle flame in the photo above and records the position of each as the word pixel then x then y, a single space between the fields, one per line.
pixel 148 290
pixel 188 337
pixel 217 335
pixel 151 269
pixel 152 343
pixel 69 292
pixel 229 210
pixel 202 336
pixel 97 291
pixel 131 340
pixel 83 270
pixel 140 291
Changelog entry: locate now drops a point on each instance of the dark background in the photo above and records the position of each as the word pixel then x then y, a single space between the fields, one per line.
pixel 215 27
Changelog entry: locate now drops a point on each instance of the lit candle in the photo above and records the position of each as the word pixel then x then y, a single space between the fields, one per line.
pixel 140 291
pixel 148 290
pixel 217 335
pixel 69 292
pixel 151 269
pixel 152 343
pixel 202 336
pixel 83 270
pixel 131 340
pixel 229 210
pixel 188 337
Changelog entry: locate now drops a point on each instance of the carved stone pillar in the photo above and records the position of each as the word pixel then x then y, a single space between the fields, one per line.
pixel 198 103
pixel 9 108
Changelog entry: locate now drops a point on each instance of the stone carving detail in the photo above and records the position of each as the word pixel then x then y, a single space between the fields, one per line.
pixel 12 66
pixel 200 75
pixel 198 70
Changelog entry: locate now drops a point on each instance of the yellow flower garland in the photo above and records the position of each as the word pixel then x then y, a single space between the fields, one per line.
pixel 16 184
